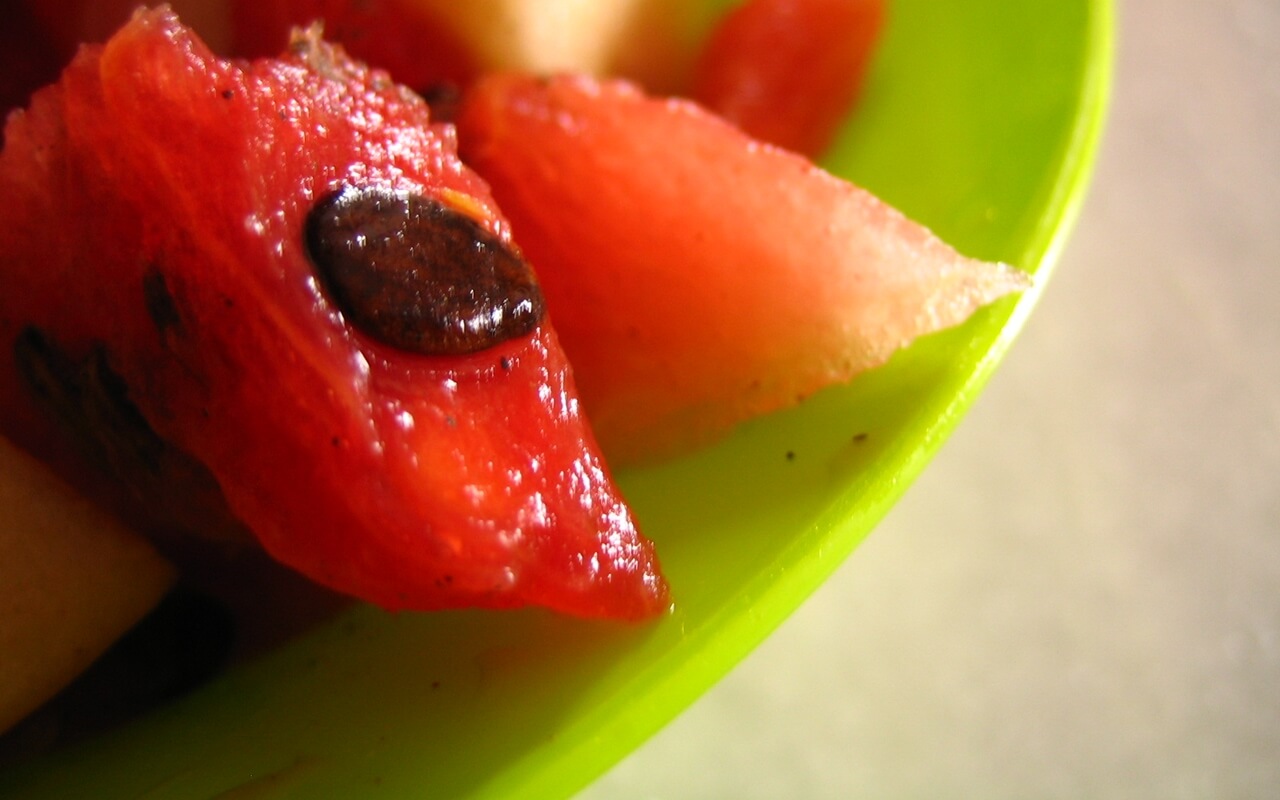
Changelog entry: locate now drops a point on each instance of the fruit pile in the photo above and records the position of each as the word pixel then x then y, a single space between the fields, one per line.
pixel 289 303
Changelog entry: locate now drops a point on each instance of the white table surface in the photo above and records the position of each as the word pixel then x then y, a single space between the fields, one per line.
pixel 1080 598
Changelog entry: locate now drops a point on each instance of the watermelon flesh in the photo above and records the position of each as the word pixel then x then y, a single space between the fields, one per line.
pixel 788 71
pixel 163 317
pixel 28 59
pixel 412 43
pixel 690 298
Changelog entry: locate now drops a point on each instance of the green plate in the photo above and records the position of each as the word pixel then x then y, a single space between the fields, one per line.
pixel 981 119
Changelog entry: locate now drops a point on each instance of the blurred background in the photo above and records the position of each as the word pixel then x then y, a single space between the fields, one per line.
pixel 1081 596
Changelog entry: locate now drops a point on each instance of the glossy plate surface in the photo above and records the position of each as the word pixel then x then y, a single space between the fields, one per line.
pixel 980 119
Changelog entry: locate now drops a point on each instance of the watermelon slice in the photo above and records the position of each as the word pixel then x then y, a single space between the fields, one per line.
pixel 67 24
pixel 698 277
pixel 203 277
pixel 788 71
pixel 416 45
pixel 423 43
pixel 28 59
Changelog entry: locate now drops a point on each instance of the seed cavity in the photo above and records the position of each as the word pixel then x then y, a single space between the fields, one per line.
pixel 443 99
pixel 416 274
pixel 90 399
pixel 159 302
pixel 92 403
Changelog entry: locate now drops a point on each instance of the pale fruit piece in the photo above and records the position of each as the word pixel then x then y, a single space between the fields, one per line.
pixel 652 41
pixel 72 580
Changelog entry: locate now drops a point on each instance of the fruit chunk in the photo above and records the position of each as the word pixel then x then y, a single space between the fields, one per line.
pixel 157 298
pixel 788 71
pixel 72 579
pixel 696 276
pixel 546 35
pixel 28 59
pixel 413 43
pixel 424 42
pixel 70 23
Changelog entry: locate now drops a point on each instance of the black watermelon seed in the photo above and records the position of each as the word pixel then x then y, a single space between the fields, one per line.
pixel 416 274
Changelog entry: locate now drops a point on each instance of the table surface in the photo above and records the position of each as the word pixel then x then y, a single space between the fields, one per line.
pixel 1081 596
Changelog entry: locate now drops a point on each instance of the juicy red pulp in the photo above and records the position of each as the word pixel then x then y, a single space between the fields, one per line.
pixel 410 480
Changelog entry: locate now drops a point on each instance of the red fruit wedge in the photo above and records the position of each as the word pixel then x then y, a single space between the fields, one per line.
pixel 28 58
pixel 185 247
pixel 418 49
pixel 788 71
pixel 70 23
pixel 696 276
